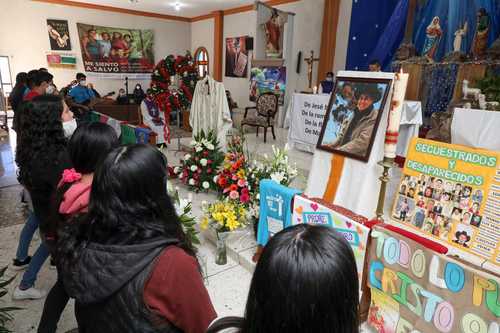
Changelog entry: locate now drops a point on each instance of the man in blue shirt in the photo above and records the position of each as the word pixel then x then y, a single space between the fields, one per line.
pixel 81 94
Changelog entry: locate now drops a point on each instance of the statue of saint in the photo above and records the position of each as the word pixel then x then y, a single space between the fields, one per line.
pixel 274 35
pixel 480 43
pixel 432 39
pixel 459 35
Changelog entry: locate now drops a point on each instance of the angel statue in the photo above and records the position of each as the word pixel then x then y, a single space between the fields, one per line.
pixel 459 35
pixel 432 39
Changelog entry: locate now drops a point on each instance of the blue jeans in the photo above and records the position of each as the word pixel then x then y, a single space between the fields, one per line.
pixel 38 259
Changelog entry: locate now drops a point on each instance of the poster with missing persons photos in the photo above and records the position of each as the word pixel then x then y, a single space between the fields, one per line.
pixel 452 194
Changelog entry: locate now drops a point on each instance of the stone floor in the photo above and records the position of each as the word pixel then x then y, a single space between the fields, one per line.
pixel 227 285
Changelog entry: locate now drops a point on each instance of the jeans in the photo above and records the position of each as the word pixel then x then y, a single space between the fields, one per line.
pixel 53 308
pixel 38 259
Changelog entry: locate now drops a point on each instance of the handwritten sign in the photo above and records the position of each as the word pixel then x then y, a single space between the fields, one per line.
pixel 306 117
pixel 415 290
pixel 451 193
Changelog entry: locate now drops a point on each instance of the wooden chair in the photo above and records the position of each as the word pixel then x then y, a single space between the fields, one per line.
pixel 266 108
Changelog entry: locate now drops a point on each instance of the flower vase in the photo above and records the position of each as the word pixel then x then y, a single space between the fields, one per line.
pixel 221 251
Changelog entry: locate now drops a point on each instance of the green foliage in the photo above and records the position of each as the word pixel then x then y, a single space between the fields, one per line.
pixel 5 312
pixel 490 86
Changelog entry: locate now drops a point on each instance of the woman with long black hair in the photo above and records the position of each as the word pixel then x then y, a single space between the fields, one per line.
pixel 148 277
pixel 41 157
pixel 88 146
pixel 306 281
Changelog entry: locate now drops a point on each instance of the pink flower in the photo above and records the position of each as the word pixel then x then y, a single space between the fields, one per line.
pixel 234 195
pixel 242 183
pixel 234 177
pixel 245 191
pixel 209 171
pixel 244 198
pixel 71 176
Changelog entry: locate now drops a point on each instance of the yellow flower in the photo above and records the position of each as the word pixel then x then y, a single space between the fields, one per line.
pixel 204 223
pixel 241 174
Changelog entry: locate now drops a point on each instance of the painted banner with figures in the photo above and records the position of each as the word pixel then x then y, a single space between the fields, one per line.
pixel 451 193
pixel 110 50
pixel 313 212
pixel 413 289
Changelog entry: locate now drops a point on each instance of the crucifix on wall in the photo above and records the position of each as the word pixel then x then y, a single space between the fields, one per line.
pixel 310 64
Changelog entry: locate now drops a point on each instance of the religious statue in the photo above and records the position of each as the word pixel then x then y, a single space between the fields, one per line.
pixel 459 35
pixel 274 35
pixel 480 43
pixel 432 39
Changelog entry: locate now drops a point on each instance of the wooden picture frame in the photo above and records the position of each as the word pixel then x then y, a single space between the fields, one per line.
pixel 341 132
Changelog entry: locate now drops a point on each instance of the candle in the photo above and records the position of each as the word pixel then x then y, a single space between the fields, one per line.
pixel 398 97
pixel 315 90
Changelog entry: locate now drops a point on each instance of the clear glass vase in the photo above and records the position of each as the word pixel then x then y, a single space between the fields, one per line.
pixel 221 251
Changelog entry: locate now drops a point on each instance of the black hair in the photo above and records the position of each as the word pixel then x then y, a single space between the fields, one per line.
pixel 43 69
pixel 31 77
pixel 89 144
pixel 41 135
pixel 305 281
pixel 21 78
pixel 41 77
pixel 375 62
pixel 80 76
pixel 128 204
pixel 368 89
pixel 16 95
pixel 329 73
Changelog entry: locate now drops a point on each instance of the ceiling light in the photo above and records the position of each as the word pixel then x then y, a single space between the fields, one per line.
pixel 177 6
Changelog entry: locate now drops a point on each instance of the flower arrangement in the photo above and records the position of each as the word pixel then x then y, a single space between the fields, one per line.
pixel 232 179
pixel 224 216
pixel 184 210
pixel 198 168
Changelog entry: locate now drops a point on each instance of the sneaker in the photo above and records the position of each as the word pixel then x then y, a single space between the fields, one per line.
pixel 30 293
pixel 18 265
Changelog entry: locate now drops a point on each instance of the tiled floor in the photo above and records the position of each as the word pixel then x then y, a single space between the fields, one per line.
pixel 227 285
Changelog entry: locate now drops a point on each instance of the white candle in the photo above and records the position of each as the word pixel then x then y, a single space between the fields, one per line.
pixel 315 90
pixel 398 97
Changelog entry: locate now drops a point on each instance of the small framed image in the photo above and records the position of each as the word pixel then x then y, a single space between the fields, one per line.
pixel 353 116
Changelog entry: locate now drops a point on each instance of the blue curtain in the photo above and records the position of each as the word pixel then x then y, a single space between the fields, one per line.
pixel 453 14
pixel 369 19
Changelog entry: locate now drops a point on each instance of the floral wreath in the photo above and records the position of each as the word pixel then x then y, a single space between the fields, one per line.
pixel 169 99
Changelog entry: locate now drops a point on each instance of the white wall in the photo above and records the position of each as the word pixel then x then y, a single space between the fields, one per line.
pixel 342 35
pixel 25 40
pixel 202 34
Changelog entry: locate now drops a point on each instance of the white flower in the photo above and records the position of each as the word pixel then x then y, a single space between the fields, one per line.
pixel 191 181
pixel 180 175
pixel 194 168
pixel 210 146
pixel 187 157
pixel 177 170
pixel 277 177
pixel 216 178
pixel 198 149
pixel 203 162
pixel 257 196
pixel 206 185
pixel 193 143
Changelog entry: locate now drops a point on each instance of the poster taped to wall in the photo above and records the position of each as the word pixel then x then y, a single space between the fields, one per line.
pixel 452 194
pixel 59 35
pixel 116 50
pixel 311 211
pixel 268 79
pixel 413 289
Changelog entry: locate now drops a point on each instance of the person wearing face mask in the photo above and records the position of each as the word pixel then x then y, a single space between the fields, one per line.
pixel 81 95
pixel 139 94
pixel 41 156
pixel 326 86
pixel 41 84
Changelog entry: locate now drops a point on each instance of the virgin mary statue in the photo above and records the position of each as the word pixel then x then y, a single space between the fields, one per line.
pixel 432 38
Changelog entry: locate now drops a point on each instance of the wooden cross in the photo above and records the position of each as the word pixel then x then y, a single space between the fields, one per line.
pixel 310 63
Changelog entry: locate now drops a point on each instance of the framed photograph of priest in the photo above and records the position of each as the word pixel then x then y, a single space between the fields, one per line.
pixel 353 116
pixel 236 57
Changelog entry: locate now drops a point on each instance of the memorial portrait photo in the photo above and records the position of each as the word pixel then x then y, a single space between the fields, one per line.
pixel 236 57
pixel 353 116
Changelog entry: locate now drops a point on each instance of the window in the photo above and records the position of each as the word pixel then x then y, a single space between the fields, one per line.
pixel 5 77
pixel 201 60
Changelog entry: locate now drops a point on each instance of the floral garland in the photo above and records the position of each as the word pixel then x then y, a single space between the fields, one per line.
pixel 199 167
pixel 169 99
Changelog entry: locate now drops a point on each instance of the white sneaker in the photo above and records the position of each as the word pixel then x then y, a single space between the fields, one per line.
pixel 30 293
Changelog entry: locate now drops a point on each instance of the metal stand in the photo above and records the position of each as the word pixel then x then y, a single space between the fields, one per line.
pixel 387 164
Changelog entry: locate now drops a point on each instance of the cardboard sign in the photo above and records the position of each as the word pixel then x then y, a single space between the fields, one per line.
pixel 451 193
pixel 415 290
pixel 312 212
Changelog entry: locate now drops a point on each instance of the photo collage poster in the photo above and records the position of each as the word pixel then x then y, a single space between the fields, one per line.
pixel 265 79
pixel 452 193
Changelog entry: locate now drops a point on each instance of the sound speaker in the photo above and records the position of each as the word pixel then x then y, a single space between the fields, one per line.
pixel 299 62
pixel 249 43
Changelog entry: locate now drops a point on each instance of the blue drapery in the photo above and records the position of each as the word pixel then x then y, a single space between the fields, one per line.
pixel 453 14
pixel 369 19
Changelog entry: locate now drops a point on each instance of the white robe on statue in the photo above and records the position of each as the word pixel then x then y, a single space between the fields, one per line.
pixel 210 110
pixel 156 124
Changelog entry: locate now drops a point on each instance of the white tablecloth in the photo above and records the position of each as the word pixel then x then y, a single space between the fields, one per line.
pixel 476 128
pixel 411 120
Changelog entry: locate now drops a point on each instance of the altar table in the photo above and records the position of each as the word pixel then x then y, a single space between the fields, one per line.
pixel 476 128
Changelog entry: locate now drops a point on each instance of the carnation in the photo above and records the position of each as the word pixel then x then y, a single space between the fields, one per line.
pixel 177 170
pixel 191 182
pixel 194 168
pixel 203 162
pixel 234 195
pixel 206 185
pixel 187 157
pixel 198 149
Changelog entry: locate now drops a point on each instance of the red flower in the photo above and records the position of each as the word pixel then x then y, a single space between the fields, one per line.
pixel 245 191
pixel 209 162
pixel 244 198
pixel 222 181
pixel 209 171
pixel 205 153
pixel 233 187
